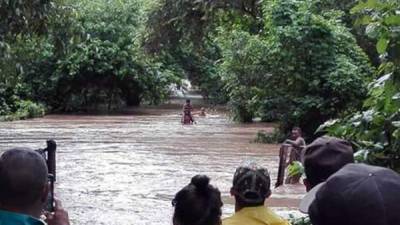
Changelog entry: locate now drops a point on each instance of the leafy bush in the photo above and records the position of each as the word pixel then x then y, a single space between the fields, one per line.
pixel 295 169
pixel 303 69
pixel 25 110
pixel 269 138
pixel 375 131
pixel 28 109
pixel 90 57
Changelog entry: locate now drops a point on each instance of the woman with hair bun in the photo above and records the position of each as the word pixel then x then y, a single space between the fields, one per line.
pixel 198 203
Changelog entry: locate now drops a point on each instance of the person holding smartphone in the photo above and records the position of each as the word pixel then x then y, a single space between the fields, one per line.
pixel 24 190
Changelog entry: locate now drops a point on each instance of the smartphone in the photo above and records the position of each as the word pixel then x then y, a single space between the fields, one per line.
pixel 49 207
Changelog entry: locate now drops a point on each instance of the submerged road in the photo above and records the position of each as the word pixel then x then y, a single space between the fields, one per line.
pixel 125 169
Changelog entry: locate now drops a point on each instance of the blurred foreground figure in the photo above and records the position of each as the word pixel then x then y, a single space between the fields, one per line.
pixel 358 194
pixel 324 157
pixel 24 189
pixel 198 203
pixel 251 187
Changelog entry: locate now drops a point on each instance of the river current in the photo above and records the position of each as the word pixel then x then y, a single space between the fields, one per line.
pixel 125 169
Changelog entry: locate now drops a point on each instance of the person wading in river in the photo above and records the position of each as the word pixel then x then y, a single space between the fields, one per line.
pixel 297 144
pixel 198 203
pixel 187 117
pixel 251 186
pixel 24 189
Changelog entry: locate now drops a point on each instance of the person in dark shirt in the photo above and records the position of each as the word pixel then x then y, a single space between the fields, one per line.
pixel 187 117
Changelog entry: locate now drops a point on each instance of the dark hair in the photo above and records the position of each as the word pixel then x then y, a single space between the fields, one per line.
pixel 187 100
pixel 199 203
pixel 298 129
pixel 23 177
pixel 251 186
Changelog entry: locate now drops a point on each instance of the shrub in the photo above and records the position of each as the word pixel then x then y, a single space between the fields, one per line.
pixel 375 130
pixel 24 110
pixel 269 138
pixel 304 69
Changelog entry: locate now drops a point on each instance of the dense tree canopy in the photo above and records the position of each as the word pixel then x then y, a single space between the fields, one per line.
pixel 291 61
pixel 89 55
pixel 23 17
pixel 303 69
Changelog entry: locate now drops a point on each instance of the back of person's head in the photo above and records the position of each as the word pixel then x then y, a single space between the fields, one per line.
pixel 251 186
pixel 358 194
pixel 198 203
pixel 187 100
pixel 324 157
pixel 23 178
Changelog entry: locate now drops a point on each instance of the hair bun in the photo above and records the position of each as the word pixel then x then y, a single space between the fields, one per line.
pixel 200 182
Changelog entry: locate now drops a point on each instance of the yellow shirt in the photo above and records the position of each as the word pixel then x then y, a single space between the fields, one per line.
pixel 259 215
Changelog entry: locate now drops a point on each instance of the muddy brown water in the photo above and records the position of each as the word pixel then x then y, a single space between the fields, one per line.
pixel 125 169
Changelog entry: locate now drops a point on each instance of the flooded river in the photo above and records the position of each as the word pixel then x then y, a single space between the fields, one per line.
pixel 125 169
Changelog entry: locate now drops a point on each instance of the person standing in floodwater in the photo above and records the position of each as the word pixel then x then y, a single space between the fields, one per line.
pixel 297 144
pixel 187 117
pixel 202 112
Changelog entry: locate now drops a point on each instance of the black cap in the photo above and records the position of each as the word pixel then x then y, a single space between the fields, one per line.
pixel 358 194
pixel 251 184
pixel 324 157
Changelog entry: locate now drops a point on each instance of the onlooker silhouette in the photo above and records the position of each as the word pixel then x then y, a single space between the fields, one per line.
pixel 358 194
pixel 251 186
pixel 24 189
pixel 198 203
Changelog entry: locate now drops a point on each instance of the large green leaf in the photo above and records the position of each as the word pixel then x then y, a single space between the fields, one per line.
pixel 392 20
pixel 382 45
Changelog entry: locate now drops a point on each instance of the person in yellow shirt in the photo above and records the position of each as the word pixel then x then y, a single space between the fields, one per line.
pixel 251 186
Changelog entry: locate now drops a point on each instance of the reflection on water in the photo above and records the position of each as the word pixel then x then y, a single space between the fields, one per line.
pixel 119 170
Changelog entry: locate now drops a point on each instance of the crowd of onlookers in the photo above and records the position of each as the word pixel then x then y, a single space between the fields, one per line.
pixel 340 192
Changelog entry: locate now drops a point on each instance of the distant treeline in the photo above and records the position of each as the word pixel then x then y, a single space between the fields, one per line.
pixel 295 62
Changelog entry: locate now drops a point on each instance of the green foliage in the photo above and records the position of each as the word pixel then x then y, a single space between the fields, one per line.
pixel 182 32
pixel 291 61
pixel 91 57
pixel 108 66
pixel 245 72
pixel 302 70
pixel 25 110
pixel 295 169
pixel 22 17
pixel 18 19
pixel 375 131
pixel 300 221
pixel 269 138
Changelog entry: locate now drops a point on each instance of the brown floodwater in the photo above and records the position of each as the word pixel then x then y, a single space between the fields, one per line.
pixel 125 169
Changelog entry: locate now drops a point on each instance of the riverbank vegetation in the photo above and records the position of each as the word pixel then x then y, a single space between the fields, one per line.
pixel 290 61
pixel 375 130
